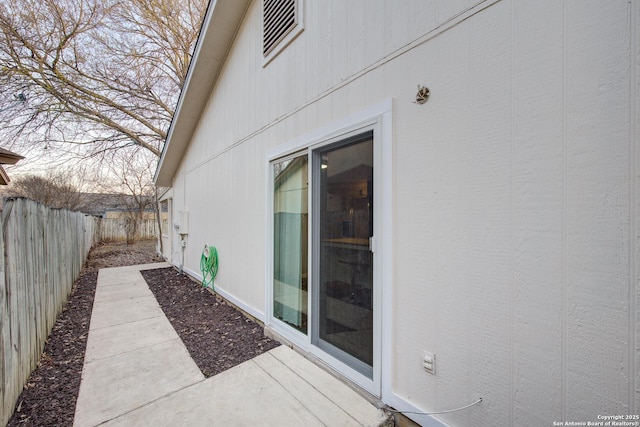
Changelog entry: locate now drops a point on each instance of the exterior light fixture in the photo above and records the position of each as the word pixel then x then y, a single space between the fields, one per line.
pixel 422 95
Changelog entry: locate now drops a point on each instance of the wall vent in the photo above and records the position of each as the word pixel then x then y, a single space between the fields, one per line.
pixel 279 19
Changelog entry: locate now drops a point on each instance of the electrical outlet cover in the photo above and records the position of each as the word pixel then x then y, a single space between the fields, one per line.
pixel 429 362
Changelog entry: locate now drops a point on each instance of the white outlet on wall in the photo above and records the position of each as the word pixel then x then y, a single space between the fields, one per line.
pixel 429 362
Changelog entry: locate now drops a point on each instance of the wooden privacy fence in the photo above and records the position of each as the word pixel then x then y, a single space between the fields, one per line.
pixel 44 250
pixel 115 229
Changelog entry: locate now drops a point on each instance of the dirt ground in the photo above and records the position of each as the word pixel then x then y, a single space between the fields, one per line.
pixel 217 335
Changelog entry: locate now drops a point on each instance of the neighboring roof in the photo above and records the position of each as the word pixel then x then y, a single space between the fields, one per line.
pixel 7 158
pixel 98 203
pixel 219 28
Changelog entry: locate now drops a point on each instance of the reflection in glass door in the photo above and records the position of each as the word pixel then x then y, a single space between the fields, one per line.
pixel 290 207
pixel 344 271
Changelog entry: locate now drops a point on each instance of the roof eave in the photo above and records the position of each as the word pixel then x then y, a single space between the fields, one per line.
pixel 8 157
pixel 219 28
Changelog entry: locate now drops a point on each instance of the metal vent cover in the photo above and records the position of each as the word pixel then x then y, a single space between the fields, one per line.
pixel 279 19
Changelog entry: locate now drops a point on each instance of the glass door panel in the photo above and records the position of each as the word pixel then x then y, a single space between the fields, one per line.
pixel 345 262
pixel 290 207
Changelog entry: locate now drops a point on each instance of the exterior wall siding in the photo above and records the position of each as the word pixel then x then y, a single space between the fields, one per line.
pixel 515 199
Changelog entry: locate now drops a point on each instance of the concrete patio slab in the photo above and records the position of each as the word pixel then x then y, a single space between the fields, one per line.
pixel 327 385
pixel 262 391
pixel 331 401
pixel 245 395
pixel 111 313
pixel 119 275
pixel 121 291
pixel 113 340
pixel 137 372
pixel 121 383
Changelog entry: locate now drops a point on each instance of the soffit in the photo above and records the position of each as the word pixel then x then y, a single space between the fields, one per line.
pixel 219 28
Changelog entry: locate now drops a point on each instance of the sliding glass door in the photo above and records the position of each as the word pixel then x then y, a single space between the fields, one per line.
pixel 343 270
pixel 340 286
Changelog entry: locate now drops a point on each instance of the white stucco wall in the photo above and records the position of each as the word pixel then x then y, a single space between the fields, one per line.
pixel 515 196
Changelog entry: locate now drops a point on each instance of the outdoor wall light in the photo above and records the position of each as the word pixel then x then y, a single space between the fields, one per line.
pixel 422 95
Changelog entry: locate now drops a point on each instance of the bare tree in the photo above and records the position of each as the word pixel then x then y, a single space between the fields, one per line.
pixel 131 174
pixel 93 75
pixel 56 190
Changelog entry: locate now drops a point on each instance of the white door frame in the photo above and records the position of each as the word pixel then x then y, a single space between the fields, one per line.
pixel 379 119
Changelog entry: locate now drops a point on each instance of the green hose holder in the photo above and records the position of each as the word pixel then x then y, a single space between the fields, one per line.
pixel 209 266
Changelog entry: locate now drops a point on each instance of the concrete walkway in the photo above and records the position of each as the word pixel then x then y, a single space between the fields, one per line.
pixel 137 372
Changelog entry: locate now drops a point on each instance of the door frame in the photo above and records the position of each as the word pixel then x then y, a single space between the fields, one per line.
pixel 379 119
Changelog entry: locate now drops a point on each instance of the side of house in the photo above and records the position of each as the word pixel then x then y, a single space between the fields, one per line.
pixel 482 244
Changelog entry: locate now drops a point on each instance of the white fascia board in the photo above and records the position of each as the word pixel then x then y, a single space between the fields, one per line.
pixel 219 28
pixel 166 194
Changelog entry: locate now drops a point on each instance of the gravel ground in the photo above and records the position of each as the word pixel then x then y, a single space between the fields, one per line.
pixel 217 335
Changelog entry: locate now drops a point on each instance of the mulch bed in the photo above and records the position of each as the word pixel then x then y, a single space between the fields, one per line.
pixel 217 335
pixel 49 397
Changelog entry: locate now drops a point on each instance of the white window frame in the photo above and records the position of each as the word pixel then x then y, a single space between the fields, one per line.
pixel 379 119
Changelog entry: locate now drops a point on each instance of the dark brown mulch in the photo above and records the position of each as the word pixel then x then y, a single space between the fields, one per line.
pixel 49 397
pixel 217 335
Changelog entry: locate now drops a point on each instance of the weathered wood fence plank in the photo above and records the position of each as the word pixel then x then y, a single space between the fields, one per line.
pixel 44 250
pixel 115 229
